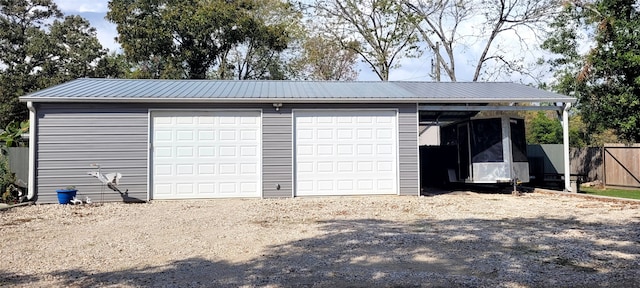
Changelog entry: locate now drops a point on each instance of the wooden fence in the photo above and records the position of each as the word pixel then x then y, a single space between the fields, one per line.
pixel 615 165
pixel 588 162
pixel 622 166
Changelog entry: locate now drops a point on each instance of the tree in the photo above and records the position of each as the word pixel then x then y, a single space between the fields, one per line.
pixel 73 52
pixel 605 78
pixel 156 67
pixel 38 50
pixel 191 36
pixel 324 59
pixel 113 65
pixel 544 130
pixel 497 27
pixel 22 40
pixel 377 30
pixel 438 24
pixel 263 53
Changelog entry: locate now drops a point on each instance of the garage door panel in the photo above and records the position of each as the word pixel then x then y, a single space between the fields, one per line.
pixel 183 152
pixel 228 135
pixel 206 154
pixel 228 188
pixel 248 188
pixel 184 188
pixel 206 188
pixel 345 152
pixel 206 151
pixel 184 170
pixel 162 189
pixel 248 135
pixel 163 135
pixel 163 170
pixel 206 135
pixel 364 134
pixel 248 151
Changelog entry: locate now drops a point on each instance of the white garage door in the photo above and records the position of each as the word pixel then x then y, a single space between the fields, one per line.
pixel 206 154
pixel 345 152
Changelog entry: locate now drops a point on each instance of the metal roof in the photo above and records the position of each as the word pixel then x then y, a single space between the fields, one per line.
pixel 268 91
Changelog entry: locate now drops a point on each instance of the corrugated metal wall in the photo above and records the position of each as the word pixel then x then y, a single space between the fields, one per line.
pixel 277 154
pixel 71 137
pixel 409 150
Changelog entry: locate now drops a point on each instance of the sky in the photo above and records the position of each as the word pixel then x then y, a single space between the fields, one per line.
pixel 410 69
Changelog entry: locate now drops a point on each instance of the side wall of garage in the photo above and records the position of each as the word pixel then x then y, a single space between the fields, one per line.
pixel 71 137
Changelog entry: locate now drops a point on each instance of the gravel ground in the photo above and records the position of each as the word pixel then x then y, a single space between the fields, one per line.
pixel 460 239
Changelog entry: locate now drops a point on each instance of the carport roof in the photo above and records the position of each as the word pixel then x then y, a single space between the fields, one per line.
pixel 270 91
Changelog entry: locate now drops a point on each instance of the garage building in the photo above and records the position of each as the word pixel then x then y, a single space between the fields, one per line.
pixel 201 139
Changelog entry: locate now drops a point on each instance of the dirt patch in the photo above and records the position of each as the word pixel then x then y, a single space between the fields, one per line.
pixel 460 239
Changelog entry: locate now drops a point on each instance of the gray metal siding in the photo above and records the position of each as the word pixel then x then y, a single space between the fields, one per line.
pixel 277 154
pixel 408 150
pixel 71 137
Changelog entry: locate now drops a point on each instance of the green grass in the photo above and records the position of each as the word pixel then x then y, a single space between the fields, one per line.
pixel 620 193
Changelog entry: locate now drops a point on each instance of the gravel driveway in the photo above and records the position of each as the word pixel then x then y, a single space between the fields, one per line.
pixel 460 239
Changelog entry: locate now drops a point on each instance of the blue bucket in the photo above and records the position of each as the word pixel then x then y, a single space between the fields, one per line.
pixel 65 196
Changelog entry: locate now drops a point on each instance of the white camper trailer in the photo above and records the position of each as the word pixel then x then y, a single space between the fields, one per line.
pixel 486 150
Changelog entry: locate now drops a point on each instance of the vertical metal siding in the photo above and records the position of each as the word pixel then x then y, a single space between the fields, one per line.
pixel 71 137
pixel 277 154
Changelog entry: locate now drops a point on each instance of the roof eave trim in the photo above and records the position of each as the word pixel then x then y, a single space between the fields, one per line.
pixel 290 100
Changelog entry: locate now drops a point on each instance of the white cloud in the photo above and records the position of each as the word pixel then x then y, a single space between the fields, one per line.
pixel 75 6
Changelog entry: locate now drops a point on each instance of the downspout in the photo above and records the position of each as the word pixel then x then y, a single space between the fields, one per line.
pixel 32 152
pixel 565 147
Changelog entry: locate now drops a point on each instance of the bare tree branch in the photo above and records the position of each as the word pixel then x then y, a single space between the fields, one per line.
pixel 489 21
pixel 385 34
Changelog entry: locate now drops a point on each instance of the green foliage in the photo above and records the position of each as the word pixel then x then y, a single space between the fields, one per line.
pixel 324 59
pixel 268 51
pixel 74 50
pixel 578 133
pixel 11 134
pixel 113 65
pixel 6 177
pixel 186 39
pixel 9 138
pixel 156 67
pixel 606 79
pixel 39 49
pixel 544 130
